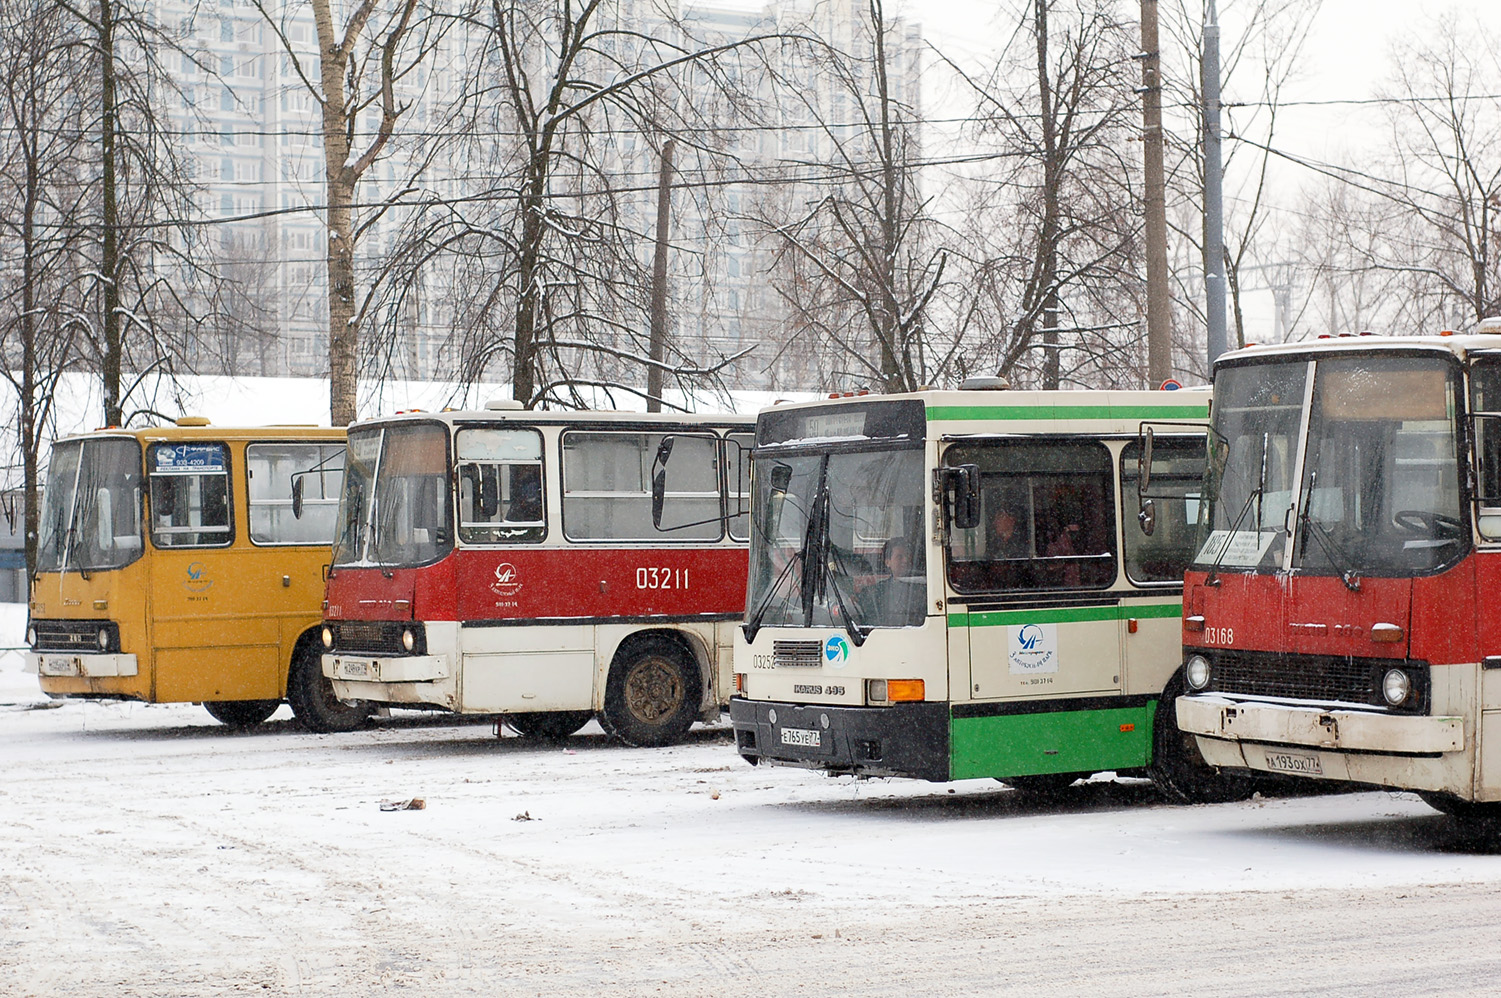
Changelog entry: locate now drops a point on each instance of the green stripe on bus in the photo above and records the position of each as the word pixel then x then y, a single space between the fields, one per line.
pixel 979 412
pixel 1072 741
pixel 1064 615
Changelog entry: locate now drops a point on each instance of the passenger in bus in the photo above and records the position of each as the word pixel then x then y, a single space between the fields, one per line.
pixel 526 494
pixel 1005 540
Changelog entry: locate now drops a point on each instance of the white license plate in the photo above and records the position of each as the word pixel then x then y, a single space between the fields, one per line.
pixel 355 669
pixel 59 665
pixel 806 737
pixel 1294 762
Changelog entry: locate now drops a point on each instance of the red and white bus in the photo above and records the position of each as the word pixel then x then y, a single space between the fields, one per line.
pixel 1338 619
pixel 506 562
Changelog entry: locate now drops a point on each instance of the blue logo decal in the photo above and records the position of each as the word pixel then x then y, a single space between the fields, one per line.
pixel 197 580
pixel 1029 636
pixel 836 650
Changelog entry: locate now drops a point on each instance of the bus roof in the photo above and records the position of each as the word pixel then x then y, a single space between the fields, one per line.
pixel 544 417
pixel 1460 345
pixel 955 413
pixel 215 433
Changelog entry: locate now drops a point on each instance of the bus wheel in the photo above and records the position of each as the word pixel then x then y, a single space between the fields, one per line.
pixel 311 695
pixel 241 713
pixel 548 725
pixel 1178 769
pixel 1476 812
pixel 652 694
pixel 1042 785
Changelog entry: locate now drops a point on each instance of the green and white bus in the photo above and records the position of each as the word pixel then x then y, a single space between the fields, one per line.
pixel 954 584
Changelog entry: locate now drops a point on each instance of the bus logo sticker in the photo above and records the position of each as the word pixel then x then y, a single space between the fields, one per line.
pixel 196 581
pixel 836 651
pixel 507 580
pixel 1032 648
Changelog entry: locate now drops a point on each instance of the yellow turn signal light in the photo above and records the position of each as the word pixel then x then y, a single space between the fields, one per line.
pixel 905 689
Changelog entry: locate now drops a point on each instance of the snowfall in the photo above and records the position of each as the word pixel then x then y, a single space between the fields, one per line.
pixel 147 850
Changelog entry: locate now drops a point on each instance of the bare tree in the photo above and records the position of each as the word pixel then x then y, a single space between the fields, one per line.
pixel 371 55
pixel 1053 234
pixel 147 275
pixel 861 261
pixel 1263 52
pixel 41 193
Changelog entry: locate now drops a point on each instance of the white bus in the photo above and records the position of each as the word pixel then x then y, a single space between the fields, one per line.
pixel 953 584
pixel 506 561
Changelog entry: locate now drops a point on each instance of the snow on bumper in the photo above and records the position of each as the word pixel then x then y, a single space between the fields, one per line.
pixel 396 669
pixel 88 666
pixel 1312 727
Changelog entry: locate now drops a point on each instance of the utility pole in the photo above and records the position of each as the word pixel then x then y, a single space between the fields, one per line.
pixel 1159 305
pixel 1214 220
pixel 659 284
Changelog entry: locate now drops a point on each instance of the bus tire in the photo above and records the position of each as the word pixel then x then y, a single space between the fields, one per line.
pixel 651 697
pixel 548 725
pixel 1469 812
pixel 1041 785
pixel 241 713
pixel 1179 771
pixel 311 695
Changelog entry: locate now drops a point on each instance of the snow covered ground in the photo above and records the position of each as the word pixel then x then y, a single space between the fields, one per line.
pixel 147 850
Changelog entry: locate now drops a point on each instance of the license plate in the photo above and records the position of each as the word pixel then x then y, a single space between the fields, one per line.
pixel 806 737
pixel 57 665
pixel 354 670
pixel 1294 762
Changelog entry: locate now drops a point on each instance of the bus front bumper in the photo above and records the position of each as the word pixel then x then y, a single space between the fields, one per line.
pixel 392 669
pixel 46 664
pixel 908 739
pixel 1408 751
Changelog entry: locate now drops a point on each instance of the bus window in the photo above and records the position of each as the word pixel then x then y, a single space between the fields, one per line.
pixel 500 485
pixel 1485 403
pixel 271 469
pixel 1177 476
pixel 411 501
pixel 1048 518
pixel 607 487
pixel 190 505
pixel 737 463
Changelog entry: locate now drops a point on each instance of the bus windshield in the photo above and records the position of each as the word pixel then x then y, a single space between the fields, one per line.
pixel 838 540
pixel 1378 491
pixel 395 510
pixel 91 512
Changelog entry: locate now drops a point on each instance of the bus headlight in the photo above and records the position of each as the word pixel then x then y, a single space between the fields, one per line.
pixel 1396 687
pixel 31 636
pixel 328 637
pixel 103 639
pixel 1196 672
pixel 408 640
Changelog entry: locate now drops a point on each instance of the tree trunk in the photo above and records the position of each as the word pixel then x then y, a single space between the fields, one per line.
pixel 109 263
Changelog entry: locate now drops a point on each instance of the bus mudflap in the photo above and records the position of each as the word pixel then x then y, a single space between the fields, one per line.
pixel 909 740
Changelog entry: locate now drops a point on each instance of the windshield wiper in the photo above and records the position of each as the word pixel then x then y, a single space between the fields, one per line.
pixel 753 619
pixel 827 578
pixel 1336 555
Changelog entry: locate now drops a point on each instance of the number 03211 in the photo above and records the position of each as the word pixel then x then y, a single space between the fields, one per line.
pixel 661 578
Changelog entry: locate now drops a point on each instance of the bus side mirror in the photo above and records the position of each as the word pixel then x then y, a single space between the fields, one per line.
pixel 781 479
pixel 296 497
pixel 1144 461
pixel 659 479
pixel 963 483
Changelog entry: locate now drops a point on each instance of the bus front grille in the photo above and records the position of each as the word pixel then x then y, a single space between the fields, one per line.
pixel 797 654
pixel 1319 678
pixel 77 636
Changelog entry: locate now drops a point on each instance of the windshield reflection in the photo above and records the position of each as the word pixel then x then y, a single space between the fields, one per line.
pixel 838 541
pixel 91 512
